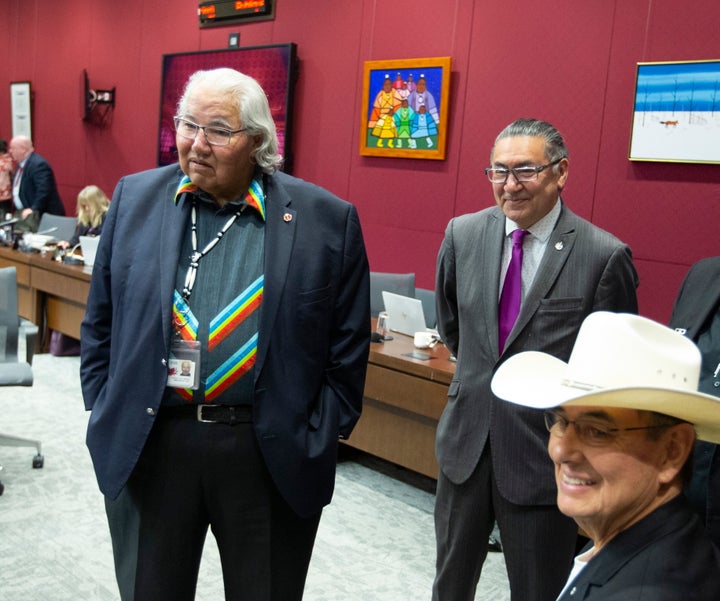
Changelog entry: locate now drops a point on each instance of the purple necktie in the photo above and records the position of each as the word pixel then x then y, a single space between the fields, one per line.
pixel 512 290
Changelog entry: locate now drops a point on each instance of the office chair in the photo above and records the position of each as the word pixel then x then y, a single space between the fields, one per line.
pixel 14 372
pixel 399 283
pixel 57 226
pixel 428 302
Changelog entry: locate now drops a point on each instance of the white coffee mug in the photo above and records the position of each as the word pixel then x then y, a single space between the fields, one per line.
pixel 424 340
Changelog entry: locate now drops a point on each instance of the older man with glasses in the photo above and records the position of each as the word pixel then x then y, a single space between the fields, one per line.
pixel 518 276
pixel 223 354
pixel 623 414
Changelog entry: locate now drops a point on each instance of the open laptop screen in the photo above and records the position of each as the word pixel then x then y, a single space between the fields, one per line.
pixel 404 313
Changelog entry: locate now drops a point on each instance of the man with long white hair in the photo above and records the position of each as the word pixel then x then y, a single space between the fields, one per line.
pixel 260 282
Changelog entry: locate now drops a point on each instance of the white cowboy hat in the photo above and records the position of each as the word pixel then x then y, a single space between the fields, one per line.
pixel 619 360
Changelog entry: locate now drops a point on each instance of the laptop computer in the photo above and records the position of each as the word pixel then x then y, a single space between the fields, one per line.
pixel 88 245
pixel 405 313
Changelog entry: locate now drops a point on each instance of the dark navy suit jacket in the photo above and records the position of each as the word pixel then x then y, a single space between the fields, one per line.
pixel 314 330
pixel 38 190
pixel 695 307
pixel 666 556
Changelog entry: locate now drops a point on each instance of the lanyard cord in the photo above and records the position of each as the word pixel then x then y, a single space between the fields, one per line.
pixel 196 256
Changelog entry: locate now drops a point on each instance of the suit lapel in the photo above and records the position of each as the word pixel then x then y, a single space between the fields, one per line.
pixel 489 282
pixel 280 230
pixel 172 230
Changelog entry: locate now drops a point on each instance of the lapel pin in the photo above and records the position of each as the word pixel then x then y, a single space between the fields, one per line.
pixel 287 217
pixel 559 245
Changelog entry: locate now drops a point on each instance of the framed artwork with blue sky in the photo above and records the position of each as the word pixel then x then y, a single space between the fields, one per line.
pixel 677 112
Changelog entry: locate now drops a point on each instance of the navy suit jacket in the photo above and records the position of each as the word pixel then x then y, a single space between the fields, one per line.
pixel 666 556
pixel 583 269
pixel 314 330
pixel 695 306
pixel 38 190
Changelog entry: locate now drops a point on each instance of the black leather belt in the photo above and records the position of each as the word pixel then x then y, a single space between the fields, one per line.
pixel 211 414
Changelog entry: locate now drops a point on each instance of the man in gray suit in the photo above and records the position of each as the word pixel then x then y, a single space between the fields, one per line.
pixel 492 455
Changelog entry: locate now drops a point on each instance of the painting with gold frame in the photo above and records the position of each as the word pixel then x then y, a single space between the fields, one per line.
pixel 676 118
pixel 405 108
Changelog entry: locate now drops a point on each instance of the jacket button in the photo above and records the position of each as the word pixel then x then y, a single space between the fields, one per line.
pixel 150 411
pixel 164 362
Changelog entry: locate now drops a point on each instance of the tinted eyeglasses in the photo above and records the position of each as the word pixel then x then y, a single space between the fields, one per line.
pixel 590 431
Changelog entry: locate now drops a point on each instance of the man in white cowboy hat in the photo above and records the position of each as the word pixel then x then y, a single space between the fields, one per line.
pixel 629 391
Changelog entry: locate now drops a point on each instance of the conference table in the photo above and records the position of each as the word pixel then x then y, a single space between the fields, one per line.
pixel 404 395
pixel 50 294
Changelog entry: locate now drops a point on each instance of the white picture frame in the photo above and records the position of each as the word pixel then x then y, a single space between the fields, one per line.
pixel 676 117
pixel 21 108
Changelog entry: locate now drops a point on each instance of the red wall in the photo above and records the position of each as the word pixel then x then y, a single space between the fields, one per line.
pixel 571 63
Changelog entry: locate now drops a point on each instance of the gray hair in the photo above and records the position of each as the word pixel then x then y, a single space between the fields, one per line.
pixel 555 148
pixel 660 422
pixel 253 110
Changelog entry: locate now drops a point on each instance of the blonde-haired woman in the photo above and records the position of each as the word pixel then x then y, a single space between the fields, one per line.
pixel 92 206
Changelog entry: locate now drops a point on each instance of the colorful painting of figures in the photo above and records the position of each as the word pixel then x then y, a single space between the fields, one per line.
pixel 405 108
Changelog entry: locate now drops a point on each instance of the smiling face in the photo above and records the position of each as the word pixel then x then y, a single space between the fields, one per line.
pixel 609 487
pixel 224 172
pixel 527 202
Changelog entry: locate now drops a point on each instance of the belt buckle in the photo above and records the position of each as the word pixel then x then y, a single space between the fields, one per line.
pixel 200 416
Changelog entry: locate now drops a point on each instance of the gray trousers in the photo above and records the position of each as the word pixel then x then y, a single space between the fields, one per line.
pixel 538 541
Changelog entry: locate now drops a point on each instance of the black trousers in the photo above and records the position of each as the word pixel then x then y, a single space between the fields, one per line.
pixel 538 541
pixel 192 475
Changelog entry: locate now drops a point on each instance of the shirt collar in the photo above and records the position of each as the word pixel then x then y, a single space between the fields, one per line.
pixel 540 229
pixel 254 197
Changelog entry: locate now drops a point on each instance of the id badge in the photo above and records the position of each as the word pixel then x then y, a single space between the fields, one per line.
pixel 184 364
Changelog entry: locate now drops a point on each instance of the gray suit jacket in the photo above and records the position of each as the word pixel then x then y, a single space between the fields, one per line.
pixel 584 269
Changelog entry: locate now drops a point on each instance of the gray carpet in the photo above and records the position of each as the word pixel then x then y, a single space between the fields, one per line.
pixel 375 541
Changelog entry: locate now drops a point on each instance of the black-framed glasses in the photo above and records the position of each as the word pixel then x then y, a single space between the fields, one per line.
pixel 217 136
pixel 499 175
pixel 589 431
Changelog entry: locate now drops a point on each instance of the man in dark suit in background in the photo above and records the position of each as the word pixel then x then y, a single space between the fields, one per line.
pixel 696 314
pixel 492 456
pixel 34 188
pixel 261 281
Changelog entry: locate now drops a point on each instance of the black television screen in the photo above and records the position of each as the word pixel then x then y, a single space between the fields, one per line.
pixel 274 67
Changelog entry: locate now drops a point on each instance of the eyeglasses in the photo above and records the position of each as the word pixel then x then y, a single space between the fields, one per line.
pixel 217 136
pixel 500 175
pixel 590 432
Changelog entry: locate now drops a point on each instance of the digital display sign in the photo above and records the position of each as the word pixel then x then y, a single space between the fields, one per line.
pixel 227 12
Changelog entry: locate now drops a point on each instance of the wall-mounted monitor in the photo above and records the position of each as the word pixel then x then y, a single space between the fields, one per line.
pixel 96 103
pixel 274 67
